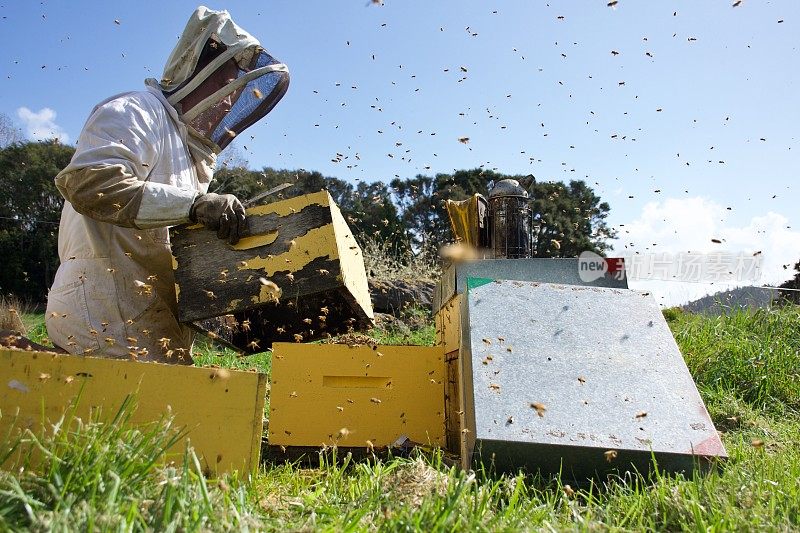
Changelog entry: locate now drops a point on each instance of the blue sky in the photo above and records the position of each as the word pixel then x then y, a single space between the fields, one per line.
pixel 543 93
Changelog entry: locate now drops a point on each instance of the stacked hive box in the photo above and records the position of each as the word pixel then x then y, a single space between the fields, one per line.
pixel 301 245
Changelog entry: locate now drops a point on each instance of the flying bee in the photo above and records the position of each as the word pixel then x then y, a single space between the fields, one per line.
pixel 164 342
pixel 298 337
pixel 245 325
pixel 143 288
pixel 610 455
pixel 273 292
pixel 210 294
pixel 540 408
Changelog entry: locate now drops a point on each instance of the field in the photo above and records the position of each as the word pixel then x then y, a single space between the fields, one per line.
pixel 746 365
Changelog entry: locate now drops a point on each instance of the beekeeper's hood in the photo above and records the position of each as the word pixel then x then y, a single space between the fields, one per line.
pixel 248 82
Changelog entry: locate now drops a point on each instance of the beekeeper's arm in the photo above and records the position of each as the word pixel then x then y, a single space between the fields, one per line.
pixel 107 178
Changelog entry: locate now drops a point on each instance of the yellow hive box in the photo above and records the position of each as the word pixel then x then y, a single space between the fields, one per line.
pixel 222 410
pixel 356 396
pixel 303 247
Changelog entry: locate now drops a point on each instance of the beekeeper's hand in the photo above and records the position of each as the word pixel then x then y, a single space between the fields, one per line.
pixel 221 212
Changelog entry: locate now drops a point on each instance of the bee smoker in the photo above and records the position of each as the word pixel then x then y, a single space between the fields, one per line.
pixel 509 229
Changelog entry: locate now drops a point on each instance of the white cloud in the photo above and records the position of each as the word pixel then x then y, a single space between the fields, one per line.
pixel 683 225
pixel 41 125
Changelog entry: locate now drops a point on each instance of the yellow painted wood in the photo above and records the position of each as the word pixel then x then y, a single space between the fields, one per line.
pixel 317 242
pixel 292 205
pixel 448 325
pixel 337 394
pixel 254 241
pixel 222 410
pixel 353 274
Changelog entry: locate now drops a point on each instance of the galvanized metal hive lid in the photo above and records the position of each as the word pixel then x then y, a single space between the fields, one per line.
pixel 558 368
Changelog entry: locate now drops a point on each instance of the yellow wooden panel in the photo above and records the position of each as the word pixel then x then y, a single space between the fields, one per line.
pixel 353 273
pixel 448 325
pixel 292 205
pixel 337 394
pixel 222 410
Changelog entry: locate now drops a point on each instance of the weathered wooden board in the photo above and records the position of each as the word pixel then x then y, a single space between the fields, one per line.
pixel 304 246
pixel 222 410
pixel 334 394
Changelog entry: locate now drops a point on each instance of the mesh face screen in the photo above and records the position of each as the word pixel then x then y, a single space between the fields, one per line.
pixel 257 99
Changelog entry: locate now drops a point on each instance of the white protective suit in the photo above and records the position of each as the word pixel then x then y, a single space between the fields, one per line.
pixel 136 171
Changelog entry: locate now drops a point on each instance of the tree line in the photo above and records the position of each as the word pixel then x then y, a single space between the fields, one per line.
pixel 405 215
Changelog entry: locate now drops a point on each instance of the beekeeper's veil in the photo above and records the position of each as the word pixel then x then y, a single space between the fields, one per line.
pixel 258 82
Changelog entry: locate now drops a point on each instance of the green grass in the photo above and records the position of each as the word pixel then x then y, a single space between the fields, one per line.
pixel 746 367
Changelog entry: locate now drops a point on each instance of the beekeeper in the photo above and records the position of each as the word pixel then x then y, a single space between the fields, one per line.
pixel 143 163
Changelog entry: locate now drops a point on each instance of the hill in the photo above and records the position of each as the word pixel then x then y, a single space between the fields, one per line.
pixel 726 301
